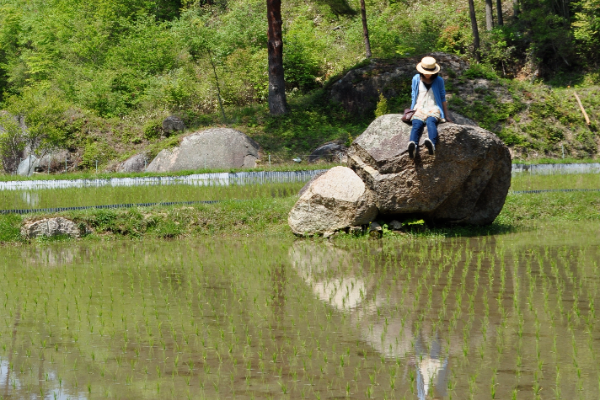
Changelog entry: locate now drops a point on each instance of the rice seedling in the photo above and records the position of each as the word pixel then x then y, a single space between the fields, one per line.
pixel 445 318
pixel 92 196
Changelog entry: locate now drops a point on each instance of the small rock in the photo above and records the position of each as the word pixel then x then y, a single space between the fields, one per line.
pixel 355 230
pixel 395 225
pixel 481 84
pixel 375 230
pixel 50 227
pixel 173 124
pixel 329 234
pixel 330 151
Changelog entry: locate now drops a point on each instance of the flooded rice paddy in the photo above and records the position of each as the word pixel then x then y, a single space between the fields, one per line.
pixel 497 317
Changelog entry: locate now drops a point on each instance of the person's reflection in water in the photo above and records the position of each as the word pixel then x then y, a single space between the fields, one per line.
pixel 357 295
pixel 432 369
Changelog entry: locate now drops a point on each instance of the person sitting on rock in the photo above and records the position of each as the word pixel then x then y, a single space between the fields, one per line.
pixel 429 101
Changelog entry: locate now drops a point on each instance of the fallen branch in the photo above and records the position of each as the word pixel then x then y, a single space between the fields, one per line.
pixel 587 119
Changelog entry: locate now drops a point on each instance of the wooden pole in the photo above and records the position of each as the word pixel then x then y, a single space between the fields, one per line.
pixel 587 119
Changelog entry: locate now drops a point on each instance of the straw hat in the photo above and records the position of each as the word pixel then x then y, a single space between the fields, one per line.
pixel 428 65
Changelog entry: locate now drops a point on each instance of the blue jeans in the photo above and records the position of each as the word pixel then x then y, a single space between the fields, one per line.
pixel 417 130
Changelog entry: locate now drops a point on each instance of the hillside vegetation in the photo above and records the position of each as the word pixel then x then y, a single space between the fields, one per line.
pixel 97 78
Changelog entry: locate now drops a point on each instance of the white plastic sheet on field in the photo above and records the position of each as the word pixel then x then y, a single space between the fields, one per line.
pixel 214 179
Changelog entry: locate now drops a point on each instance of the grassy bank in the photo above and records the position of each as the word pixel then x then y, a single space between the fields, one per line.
pixel 268 217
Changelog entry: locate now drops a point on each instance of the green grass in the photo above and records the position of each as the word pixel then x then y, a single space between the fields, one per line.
pixel 523 210
pixel 77 197
pixel 264 209
pixel 566 160
pixel 260 216
pixel 268 216
pixel 524 181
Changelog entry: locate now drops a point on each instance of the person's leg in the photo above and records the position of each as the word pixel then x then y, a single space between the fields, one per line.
pixel 432 130
pixel 417 130
pixel 415 134
pixel 432 133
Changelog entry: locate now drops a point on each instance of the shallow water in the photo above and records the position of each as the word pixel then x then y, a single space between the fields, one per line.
pixel 493 317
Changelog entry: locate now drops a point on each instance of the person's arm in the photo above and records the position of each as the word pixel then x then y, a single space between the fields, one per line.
pixel 412 93
pixel 444 102
pixel 446 113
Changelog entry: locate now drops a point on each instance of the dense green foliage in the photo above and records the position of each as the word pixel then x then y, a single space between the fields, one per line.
pixel 98 77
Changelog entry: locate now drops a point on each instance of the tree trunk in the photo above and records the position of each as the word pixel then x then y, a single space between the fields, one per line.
pixel 499 10
pixel 475 30
pixel 363 13
pixel 277 101
pixel 515 8
pixel 489 15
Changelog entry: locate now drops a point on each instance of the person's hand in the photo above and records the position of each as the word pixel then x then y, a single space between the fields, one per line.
pixel 449 120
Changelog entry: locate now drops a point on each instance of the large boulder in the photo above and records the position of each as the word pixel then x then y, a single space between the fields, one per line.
pixel 466 181
pixel 136 163
pixel 57 226
pixel 335 200
pixel 27 166
pixel 54 160
pixel 213 148
pixel 358 90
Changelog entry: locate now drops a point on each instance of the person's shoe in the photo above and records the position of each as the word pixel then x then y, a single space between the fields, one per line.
pixel 430 146
pixel 412 146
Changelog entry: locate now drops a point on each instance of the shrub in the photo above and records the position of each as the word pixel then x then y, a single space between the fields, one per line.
pixel 152 129
pixel 480 71
pixel 12 142
pixel 96 151
pixel 382 106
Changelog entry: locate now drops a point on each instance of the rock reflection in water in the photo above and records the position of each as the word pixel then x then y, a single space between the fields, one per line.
pixel 30 198
pixel 51 256
pixel 336 277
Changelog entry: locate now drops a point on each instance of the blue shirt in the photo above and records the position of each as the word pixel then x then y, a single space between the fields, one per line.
pixel 439 92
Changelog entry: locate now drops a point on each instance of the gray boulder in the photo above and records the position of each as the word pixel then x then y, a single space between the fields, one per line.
pixel 328 151
pixel 27 166
pixel 359 89
pixel 213 148
pixel 173 124
pixel 466 181
pixel 460 119
pixel 50 227
pixel 53 160
pixel 136 163
pixel 335 200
